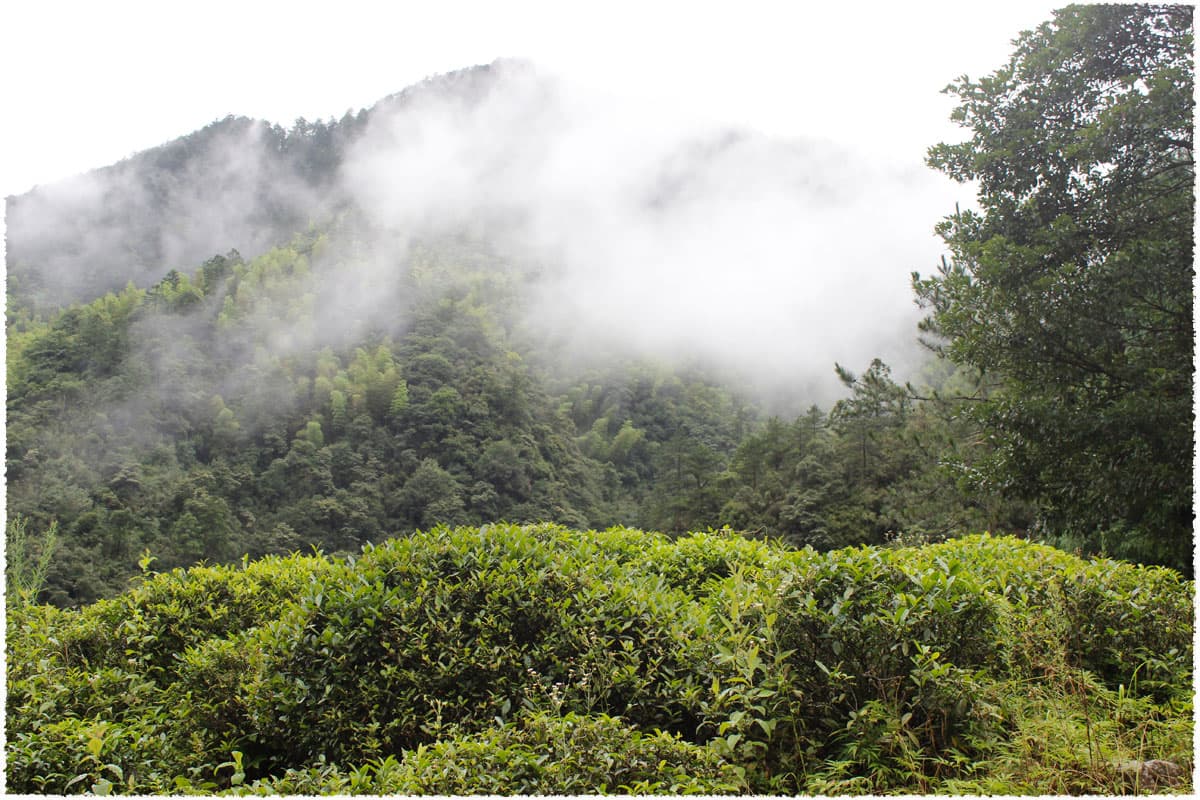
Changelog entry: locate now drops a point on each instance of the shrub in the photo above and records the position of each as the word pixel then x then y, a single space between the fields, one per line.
pixel 209 700
pixel 454 628
pixel 1126 623
pixel 697 561
pixel 869 624
pixel 159 669
pixel 156 620
pixel 538 659
pixel 74 756
pixel 1132 625
pixel 68 725
pixel 818 645
pixel 536 753
pixel 571 755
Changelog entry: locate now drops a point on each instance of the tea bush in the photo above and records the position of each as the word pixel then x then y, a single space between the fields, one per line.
pixel 73 755
pixel 538 659
pixel 1125 623
pixel 165 613
pixel 569 755
pixel 129 666
pixel 697 561
pixel 535 753
pixel 458 627
pixel 1131 625
pixel 881 649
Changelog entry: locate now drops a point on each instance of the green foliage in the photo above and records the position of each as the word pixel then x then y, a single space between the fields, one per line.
pixel 1129 625
pixel 542 753
pixel 457 627
pixel 132 667
pixel 526 659
pixel 1072 289
pixel 27 562
pixel 1093 615
pixel 455 418
pixel 889 463
pixel 698 562
pixel 857 649
pixel 537 753
pixel 534 658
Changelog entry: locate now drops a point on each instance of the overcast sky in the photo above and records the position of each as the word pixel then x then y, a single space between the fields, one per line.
pixel 86 83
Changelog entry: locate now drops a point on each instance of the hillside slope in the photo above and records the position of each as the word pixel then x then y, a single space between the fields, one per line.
pixel 238 183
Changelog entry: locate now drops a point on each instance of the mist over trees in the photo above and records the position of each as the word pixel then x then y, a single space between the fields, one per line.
pixel 652 238
pixel 238 183
pixel 489 440
pixel 172 420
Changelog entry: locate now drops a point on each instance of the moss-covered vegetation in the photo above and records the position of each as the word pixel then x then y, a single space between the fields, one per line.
pixel 537 659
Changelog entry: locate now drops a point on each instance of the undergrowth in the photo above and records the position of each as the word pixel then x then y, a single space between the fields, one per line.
pixel 536 659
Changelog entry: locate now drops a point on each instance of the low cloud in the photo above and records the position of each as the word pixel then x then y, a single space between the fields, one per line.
pixel 638 233
pixel 223 187
pixel 767 257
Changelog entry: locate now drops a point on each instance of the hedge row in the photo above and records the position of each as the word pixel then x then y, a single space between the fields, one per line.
pixel 538 659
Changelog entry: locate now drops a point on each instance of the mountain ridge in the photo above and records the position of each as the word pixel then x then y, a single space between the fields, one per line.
pixel 238 183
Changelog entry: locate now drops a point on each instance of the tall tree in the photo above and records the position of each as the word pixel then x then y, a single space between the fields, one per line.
pixel 876 406
pixel 1071 286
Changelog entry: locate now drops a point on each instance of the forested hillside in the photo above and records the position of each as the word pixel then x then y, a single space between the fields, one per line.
pixel 355 381
pixel 236 184
pixel 199 420
pixel 399 454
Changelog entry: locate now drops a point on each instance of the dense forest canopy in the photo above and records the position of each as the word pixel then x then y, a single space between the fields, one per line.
pixel 355 382
pixel 335 465
pixel 173 420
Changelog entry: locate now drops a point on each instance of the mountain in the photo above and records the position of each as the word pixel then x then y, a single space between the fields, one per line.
pixel 238 183
pixel 474 301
